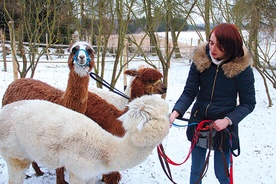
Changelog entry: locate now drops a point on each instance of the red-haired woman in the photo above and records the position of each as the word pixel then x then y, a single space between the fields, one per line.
pixel 221 82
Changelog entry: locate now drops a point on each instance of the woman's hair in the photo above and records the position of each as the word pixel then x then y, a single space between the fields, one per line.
pixel 229 40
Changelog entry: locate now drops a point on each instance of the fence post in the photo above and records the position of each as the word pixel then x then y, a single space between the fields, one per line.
pixel 13 48
pixel 125 62
pixel 47 52
pixel 198 41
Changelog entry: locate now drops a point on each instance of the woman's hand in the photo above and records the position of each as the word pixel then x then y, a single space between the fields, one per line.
pixel 173 116
pixel 221 124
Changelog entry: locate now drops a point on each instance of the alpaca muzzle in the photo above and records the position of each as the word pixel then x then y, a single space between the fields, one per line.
pixel 156 88
pixel 82 58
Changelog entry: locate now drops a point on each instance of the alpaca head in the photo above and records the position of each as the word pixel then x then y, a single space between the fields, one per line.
pixel 147 120
pixel 81 56
pixel 146 81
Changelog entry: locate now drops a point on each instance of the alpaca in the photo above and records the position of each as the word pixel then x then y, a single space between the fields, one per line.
pixel 75 96
pixel 144 81
pixel 76 93
pixel 66 138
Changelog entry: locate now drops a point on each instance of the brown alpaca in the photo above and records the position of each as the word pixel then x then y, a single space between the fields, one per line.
pixel 143 81
pixel 147 81
pixel 75 96
pixel 98 109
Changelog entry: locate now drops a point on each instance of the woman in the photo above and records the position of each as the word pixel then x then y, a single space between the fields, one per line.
pixel 220 75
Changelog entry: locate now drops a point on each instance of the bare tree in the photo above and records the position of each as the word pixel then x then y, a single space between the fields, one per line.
pixel 105 25
pixel 259 21
pixel 262 58
pixel 2 38
pixel 36 18
pixel 123 15
pixel 183 9
pixel 207 6
pixel 176 10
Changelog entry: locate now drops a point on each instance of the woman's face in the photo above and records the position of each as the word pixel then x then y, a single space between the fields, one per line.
pixel 217 51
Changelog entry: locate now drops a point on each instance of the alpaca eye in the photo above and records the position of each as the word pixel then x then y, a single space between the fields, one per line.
pixel 89 50
pixel 75 50
pixel 151 81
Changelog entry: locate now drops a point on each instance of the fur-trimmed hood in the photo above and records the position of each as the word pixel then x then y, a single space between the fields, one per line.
pixel 230 69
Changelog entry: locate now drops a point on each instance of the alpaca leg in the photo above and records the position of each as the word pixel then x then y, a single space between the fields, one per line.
pixel 112 178
pixel 38 172
pixel 17 170
pixel 60 176
pixel 75 180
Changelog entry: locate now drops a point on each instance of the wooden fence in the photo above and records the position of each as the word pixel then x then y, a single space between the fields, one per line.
pixel 60 50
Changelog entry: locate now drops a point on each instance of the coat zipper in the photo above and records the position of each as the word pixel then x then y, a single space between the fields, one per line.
pixel 213 89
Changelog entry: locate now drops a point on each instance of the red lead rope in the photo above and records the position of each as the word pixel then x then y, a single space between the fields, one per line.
pixel 231 178
pixel 169 160
pixel 231 169
pixel 201 126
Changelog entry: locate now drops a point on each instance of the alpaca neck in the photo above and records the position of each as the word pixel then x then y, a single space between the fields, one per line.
pixel 136 93
pixel 128 88
pixel 137 89
pixel 76 94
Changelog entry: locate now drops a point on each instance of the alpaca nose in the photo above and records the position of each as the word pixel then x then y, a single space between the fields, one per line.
pixel 81 57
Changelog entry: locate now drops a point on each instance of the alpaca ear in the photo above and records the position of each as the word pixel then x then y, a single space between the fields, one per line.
pixel 144 119
pixel 135 115
pixel 132 73
pixel 127 120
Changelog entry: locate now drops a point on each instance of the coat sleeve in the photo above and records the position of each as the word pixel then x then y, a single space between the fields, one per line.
pixel 190 91
pixel 246 92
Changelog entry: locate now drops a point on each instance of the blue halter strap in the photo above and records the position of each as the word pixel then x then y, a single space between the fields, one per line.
pixel 88 59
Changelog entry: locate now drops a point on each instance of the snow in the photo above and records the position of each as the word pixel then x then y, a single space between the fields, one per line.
pixel 256 163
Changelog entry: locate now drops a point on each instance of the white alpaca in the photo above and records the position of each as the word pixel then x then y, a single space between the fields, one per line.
pixel 41 131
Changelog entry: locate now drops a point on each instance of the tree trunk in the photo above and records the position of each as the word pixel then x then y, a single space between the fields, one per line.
pixel 3 49
pixel 13 49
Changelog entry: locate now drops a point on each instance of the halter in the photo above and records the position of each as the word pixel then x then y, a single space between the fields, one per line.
pixel 88 59
pixel 154 84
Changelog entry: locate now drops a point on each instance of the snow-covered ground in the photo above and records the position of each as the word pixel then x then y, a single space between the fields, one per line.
pixel 256 164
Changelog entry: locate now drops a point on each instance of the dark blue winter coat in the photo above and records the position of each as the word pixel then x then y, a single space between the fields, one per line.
pixel 219 91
